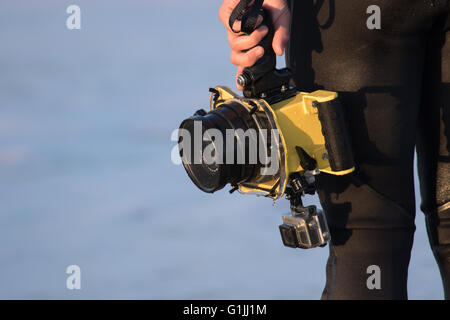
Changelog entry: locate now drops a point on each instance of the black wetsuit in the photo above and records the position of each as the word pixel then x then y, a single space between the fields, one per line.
pixel 395 85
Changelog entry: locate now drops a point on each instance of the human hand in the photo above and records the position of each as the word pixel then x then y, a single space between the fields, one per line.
pixel 244 48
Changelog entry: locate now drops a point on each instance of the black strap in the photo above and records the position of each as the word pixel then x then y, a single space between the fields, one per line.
pixel 247 15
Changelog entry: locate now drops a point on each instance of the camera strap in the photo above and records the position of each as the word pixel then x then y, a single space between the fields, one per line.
pixel 248 15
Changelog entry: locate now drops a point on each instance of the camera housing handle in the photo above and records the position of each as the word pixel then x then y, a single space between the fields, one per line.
pixel 262 80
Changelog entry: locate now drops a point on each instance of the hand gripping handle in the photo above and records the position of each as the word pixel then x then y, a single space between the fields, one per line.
pixel 248 15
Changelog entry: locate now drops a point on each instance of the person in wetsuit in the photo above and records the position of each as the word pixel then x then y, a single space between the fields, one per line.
pixel 394 82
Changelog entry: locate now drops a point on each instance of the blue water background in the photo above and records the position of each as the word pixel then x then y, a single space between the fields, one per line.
pixel 85 171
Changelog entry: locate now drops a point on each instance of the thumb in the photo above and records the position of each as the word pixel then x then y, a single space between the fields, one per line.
pixel 281 35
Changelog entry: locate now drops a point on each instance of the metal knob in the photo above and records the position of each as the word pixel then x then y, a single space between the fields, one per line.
pixel 242 80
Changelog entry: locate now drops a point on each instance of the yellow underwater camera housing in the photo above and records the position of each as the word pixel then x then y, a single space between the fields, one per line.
pixel 272 141
pixel 312 136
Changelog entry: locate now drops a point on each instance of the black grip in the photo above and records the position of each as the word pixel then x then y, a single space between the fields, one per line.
pixel 335 132
pixel 268 61
pixel 262 80
pixel 248 15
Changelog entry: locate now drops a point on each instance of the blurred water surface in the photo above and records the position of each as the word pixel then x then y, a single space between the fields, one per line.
pixel 85 173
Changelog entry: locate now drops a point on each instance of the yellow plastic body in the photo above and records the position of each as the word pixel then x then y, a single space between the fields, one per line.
pixel 298 124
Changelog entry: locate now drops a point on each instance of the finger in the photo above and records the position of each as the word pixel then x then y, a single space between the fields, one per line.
pixel 280 40
pixel 244 42
pixel 237 25
pixel 246 59
pixel 281 35
pixel 225 11
pixel 238 73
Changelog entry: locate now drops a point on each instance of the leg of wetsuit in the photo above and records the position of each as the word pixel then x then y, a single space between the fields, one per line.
pixel 378 73
pixel 433 146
